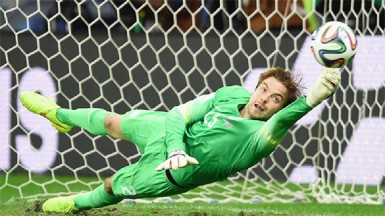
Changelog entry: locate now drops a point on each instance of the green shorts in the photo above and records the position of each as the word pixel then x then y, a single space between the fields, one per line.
pixel 146 129
pixel 142 127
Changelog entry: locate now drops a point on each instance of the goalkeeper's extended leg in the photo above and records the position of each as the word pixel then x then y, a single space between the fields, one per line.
pixel 94 199
pixel 91 119
pixel 45 107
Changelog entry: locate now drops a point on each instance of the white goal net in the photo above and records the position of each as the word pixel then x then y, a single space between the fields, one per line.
pixel 122 55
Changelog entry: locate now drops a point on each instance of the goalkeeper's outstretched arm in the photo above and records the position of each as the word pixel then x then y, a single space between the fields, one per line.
pixel 177 120
pixel 276 127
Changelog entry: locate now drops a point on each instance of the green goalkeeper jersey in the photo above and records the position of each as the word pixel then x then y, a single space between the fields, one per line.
pixel 212 130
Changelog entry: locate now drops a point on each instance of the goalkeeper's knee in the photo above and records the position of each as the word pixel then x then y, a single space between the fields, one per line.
pixel 324 86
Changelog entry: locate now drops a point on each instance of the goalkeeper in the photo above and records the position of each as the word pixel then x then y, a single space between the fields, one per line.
pixel 199 142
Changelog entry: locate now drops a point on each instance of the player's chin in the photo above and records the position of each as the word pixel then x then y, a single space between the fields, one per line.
pixel 258 116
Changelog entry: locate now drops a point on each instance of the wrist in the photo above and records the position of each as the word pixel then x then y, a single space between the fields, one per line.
pixel 171 149
pixel 176 152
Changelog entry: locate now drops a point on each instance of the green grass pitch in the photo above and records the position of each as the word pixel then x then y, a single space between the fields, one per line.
pixel 11 204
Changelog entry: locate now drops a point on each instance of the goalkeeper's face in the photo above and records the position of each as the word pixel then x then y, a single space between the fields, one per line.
pixel 268 98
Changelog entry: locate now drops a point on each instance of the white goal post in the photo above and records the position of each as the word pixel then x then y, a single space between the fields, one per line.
pixel 124 55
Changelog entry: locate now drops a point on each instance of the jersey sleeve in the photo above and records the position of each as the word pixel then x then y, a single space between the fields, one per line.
pixel 181 116
pixel 274 130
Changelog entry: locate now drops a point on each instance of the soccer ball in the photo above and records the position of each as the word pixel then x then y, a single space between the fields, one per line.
pixel 333 44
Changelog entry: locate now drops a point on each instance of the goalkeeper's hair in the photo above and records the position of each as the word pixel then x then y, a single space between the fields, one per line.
pixel 290 81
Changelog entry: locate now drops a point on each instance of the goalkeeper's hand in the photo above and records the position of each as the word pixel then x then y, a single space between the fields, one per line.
pixel 324 86
pixel 176 159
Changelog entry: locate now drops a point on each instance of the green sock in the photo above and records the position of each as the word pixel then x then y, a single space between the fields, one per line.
pixel 95 199
pixel 91 119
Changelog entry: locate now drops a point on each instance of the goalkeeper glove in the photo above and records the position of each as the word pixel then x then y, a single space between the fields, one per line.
pixel 324 86
pixel 176 159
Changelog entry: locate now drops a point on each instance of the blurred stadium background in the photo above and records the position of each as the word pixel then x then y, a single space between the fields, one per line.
pixel 122 55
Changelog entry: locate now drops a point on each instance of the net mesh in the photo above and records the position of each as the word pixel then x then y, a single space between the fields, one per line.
pixel 124 55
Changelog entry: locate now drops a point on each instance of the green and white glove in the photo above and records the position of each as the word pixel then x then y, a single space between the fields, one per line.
pixel 324 86
pixel 177 159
